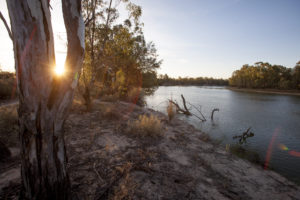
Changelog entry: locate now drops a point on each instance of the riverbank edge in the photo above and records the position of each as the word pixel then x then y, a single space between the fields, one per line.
pixel 266 91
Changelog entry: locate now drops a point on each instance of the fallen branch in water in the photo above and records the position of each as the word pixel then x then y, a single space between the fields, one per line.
pixel 179 109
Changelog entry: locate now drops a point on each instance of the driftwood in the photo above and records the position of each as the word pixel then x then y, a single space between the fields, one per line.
pixel 185 110
pixel 179 109
pixel 213 112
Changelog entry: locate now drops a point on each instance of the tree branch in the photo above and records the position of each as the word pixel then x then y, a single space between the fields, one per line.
pixel 6 26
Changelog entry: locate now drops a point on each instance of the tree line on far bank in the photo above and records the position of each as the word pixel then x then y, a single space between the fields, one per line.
pixel 266 76
pixel 165 80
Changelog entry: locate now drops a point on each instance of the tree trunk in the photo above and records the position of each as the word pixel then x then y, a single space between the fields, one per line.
pixel 44 98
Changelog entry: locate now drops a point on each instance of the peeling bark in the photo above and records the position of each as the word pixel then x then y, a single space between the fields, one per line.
pixel 44 98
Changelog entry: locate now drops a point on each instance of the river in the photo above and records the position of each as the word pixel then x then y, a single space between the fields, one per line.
pixel 274 119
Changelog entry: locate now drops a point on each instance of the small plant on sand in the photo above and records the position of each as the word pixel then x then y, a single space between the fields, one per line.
pixel 170 110
pixel 146 126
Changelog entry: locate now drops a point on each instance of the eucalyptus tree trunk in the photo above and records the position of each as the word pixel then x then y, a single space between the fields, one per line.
pixel 44 98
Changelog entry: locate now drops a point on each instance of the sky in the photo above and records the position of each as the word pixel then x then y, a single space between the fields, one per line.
pixel 203 37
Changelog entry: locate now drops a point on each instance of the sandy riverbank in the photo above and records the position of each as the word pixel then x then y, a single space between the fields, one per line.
pixel 108 162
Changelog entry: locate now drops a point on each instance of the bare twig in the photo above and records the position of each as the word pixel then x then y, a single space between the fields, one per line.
pixel 203 118
pixel 99 177
pixel 6 26
pixel 185 110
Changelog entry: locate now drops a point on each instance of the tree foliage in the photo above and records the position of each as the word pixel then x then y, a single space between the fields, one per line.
pixel 265 75
pixel 114 49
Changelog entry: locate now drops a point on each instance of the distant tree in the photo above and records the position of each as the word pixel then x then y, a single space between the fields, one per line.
pixel 265 75
pixel 199 81
pixel 296 75
pixel 44 98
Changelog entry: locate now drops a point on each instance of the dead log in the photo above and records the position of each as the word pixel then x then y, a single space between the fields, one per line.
pixel 184 103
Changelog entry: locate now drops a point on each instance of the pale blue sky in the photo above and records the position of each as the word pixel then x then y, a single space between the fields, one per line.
pixel 208 37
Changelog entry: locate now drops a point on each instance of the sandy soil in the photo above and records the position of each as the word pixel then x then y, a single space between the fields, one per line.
pixel 107 162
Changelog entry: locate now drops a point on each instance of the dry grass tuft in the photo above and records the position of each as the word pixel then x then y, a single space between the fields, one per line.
pixel 126 186
pixel 125 190
pixel 146 126
pixel 171 111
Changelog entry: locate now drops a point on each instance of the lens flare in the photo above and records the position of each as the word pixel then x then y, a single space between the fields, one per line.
pixel 283 147
pixel 270 148
pixel 294 153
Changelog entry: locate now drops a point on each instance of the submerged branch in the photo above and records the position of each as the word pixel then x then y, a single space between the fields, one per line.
pixel 213 112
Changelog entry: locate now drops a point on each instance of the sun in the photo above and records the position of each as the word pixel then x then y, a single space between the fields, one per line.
pixel 59 70
pixel 60 66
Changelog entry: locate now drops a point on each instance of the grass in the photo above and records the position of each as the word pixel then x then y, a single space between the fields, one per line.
pixel 146 126
pixel 241 152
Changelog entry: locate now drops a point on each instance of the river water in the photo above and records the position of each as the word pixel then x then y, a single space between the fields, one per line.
pixel 274 120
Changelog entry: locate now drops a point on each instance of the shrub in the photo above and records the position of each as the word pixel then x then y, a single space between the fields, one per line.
pixel 7 84
pixel 146 126
pixel 110 98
